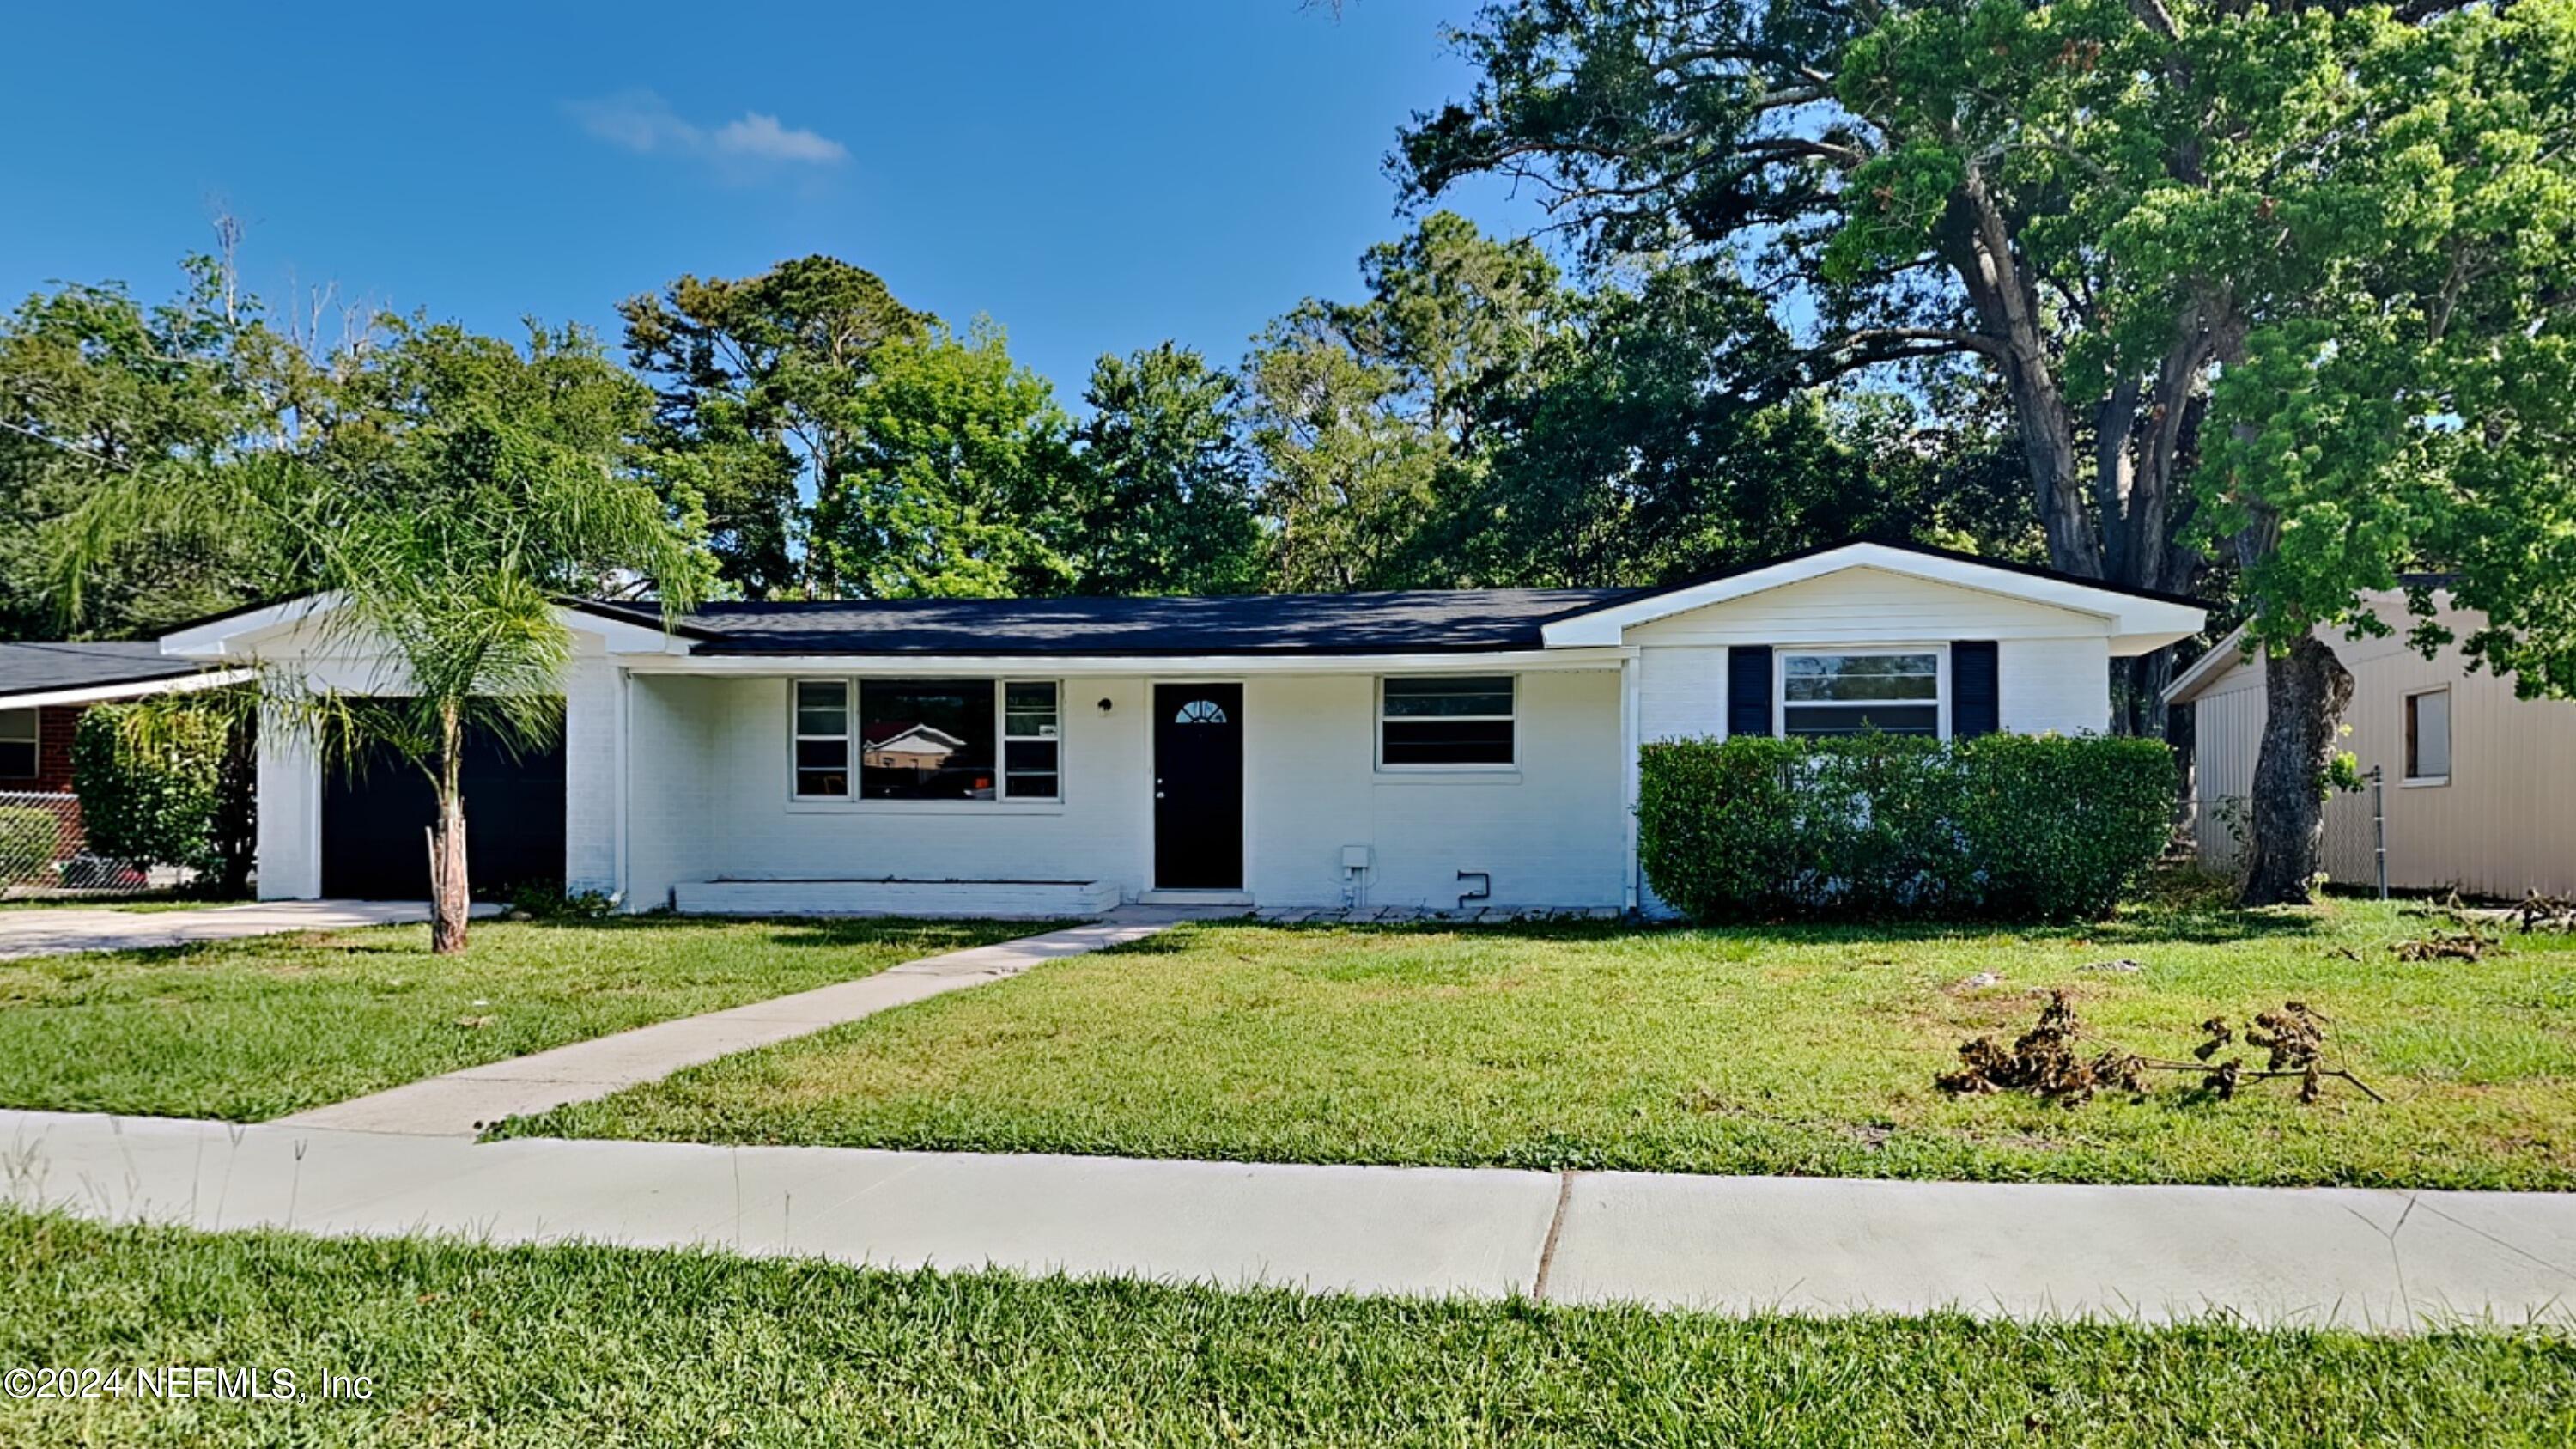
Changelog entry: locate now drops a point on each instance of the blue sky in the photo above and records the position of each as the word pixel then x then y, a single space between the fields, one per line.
pixel 1095 176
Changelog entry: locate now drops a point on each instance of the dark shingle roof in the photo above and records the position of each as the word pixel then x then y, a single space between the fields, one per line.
pixel 1417 621
pixel 43 667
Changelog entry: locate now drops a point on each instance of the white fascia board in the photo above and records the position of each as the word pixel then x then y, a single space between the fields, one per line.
pixel 2222 656
pixel 622 636
pixel 236 636
pixel 228 636
pixel 131 689
pixel 2131 621
pixel 1043 666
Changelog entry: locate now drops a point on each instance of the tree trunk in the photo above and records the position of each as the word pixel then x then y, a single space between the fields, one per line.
pixel 448 902
pixel 2138 695
pixel 2305 694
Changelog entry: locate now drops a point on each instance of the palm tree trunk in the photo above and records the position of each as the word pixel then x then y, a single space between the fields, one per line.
pixel 2306 691
pixel 448 898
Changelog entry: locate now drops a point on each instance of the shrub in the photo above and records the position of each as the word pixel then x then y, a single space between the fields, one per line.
pixel 29 839
pixel 547 900
pixel 2000 827
pixel 149 797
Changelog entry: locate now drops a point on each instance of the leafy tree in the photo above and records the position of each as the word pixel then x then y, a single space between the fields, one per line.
pixel 2155 224
pixel 1167 504
pixel 1915 180
pixel 446 489
pixel 1661 438
pixel 959 478
pixel 1366 417
pixel 93 385
pixel 758 383
pixel 1346 477
pixel 2417 409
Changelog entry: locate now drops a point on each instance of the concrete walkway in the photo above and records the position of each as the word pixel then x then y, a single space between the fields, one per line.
pixel 53 930
pixel 2375 1260
pixel 463 1103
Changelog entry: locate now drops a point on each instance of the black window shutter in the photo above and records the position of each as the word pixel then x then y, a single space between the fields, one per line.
pixel 1748 689
pixel 1975 706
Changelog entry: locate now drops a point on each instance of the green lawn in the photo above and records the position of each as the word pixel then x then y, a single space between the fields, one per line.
pixel 1808 1051
pixel 598 1347
pixel 252 1029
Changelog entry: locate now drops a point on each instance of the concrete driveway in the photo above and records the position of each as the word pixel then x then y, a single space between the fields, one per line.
pixel 54 930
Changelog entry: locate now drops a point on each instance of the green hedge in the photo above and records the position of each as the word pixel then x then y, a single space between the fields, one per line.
pixel 2001 827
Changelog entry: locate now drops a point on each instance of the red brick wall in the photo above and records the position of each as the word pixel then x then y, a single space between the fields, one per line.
pixel 55 726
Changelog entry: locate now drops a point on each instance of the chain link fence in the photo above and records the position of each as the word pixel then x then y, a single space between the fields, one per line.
pixel 44 854
pixel 2221 831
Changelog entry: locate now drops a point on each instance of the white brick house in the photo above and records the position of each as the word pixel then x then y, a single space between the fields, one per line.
pixel 1405 749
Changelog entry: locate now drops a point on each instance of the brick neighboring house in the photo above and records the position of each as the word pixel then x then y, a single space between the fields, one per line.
pixel 45 688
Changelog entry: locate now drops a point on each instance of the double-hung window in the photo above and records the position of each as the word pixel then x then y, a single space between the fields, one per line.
pixel 1449 721
pixel 2428 737
pixel 1895 692
pixel 927 739
pixel 1031 748
pixel 822 739
pixel 19 731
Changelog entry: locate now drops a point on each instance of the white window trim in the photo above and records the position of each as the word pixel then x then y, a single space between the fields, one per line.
pixel 1004 739
pixel 1377 728
pixel 1781 653
pixel 849 738
pixel 2405 707
pixel 1003 801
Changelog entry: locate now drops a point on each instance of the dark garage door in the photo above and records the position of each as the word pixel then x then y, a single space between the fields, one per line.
pixel 375 844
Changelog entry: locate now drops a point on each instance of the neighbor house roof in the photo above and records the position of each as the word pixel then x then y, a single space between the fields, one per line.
pixel 34 674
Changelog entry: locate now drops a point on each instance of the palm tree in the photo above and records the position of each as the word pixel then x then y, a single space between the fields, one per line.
pixel 442 492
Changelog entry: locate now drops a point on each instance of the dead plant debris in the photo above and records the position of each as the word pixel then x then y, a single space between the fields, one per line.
pixel 2051 1060
pixel 2556 913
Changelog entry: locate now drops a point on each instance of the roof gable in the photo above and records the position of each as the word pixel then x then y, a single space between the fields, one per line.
pixel 2135 620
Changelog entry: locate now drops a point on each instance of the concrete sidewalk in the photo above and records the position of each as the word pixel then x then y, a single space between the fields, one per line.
pixel 462 1103
pixel 54 930
pixel 2367 1259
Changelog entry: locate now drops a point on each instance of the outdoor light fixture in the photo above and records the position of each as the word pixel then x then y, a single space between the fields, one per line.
pixel 1104 704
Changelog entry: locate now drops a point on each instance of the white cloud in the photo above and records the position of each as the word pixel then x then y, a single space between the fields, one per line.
pixel 644 123
pixel 762 136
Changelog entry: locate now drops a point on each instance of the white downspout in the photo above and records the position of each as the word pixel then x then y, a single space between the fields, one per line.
pixel 1632 892
pixel 625 778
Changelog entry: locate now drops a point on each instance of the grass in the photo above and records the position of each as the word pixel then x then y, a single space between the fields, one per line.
pixel 1801 1051
pixel 599 1347
pixel 251 1029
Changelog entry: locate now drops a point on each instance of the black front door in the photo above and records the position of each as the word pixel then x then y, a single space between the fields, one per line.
pixel 1198 786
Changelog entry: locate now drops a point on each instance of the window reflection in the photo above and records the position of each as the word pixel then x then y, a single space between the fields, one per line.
pixel 926 739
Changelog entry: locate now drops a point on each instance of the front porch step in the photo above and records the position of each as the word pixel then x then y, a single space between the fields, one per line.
pixel 1195 898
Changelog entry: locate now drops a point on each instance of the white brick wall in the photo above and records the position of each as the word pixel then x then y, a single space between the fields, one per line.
pixel 1551 832
pixel 592 705
pixel 289 789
